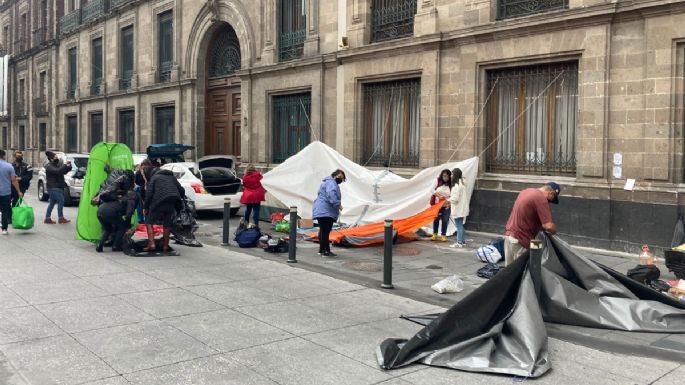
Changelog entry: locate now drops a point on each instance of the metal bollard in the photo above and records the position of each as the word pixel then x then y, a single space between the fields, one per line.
pixel 227 217
pixel 292 242
pixel 387 256
pixel 535 264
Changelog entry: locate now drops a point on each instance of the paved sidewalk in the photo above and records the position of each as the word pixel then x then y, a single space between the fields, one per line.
pixel 69 315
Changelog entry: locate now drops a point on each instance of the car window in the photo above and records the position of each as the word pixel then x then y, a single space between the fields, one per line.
pixel 79 162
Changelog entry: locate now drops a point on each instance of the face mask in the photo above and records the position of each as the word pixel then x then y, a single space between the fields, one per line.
pixel 19 160
pixel 55 161
pixel 338 180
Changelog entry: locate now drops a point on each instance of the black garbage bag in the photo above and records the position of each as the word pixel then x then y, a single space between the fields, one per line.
pixel 185 225
pixel 644 273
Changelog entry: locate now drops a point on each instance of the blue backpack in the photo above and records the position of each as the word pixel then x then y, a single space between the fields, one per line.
pixel 248 237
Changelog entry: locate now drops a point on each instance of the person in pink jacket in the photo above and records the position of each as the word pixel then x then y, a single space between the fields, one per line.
pixel 253 193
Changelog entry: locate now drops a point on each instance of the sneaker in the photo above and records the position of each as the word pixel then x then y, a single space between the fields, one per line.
pixel 329 254
pixel 4 232
pixel 443 239
pixel 456 244
pixel 63 221
pixel 434 237
pixel 49 221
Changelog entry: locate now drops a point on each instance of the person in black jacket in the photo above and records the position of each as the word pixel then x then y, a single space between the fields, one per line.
pixel 163 196
pixel 54 179
pixel 24 173
pixel 115 211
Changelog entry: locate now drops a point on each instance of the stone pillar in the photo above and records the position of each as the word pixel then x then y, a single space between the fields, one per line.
pixel 311 42
pixel 426 19
pixel 269 49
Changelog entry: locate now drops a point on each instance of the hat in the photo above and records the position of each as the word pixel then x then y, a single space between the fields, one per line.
pixel 49 154
pixel 557 190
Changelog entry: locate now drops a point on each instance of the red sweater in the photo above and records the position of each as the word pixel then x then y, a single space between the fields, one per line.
pixel 253 192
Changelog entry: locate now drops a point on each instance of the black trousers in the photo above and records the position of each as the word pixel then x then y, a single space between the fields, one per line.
pixel 115 227
pixel 325 227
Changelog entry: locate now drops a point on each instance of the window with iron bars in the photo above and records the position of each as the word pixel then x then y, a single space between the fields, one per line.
pixel 96 67
pixel 72 133
pixel 290 122
pixel 73 77
pixel 531 120
pixel 507 9
pixel 391 126
pixel 126 55
pixel 292 24
pixel 392 19
pixel 166 49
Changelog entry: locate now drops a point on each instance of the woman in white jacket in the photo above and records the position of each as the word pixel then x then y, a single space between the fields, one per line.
pixel 459 205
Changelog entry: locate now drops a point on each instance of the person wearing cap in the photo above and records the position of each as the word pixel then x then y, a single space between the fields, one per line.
pixel 24 173
pixel 530 214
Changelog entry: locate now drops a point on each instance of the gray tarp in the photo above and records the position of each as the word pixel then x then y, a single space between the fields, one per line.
pixel 499 327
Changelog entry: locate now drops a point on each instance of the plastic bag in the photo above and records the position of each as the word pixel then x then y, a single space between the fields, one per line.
pixel 22 215
pixel 452 284
pixel 488 254
pixel 283 226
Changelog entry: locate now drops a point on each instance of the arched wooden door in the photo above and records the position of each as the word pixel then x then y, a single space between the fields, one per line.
pixel 223 100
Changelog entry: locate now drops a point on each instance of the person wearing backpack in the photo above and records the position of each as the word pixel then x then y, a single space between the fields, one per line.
pixel 459 206
pixel 253 194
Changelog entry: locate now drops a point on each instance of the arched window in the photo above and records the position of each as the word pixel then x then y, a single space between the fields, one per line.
pixel 224 53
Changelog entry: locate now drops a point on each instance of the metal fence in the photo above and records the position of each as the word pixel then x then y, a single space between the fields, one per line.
pixel 292 32
pixel 531 120
pixel 392 19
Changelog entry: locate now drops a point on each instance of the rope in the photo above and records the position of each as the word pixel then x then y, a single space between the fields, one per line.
pixel 311 130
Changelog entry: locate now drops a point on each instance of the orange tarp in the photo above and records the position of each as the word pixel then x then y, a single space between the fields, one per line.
pixel 373 233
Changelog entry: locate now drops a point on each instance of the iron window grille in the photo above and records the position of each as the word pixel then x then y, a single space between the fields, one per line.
pixel 291 127
pixel 165 124
pixel 392 19
pixel 165 53
pixel 127 132
pixel 42 137
pixel 293 22
pixel 224 57
pixel 96 67
pixel 95 128
pixel 391 126
pixel 126 58
pixel 531 120
pixel 73 77
pixel 72 134
pixel 22 138
pixel 70 21
pixel 92 10
pixel 507 9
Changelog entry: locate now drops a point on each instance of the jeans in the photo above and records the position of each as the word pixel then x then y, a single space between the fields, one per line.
pixel 115 227
pixel 5 210
pixel 56 198
pixel 325 227
pixel 252 208
pixel 444 216
pixel 459 222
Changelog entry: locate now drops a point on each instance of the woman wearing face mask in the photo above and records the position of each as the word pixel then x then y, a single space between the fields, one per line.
pixel 459 205
pixel 440 195
pixel 54 179
pixel 327 207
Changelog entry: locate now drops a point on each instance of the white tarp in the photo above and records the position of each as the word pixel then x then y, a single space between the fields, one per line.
pixel 367 196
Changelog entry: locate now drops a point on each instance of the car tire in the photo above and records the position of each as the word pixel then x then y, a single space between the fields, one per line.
pixel 234 211
pixel 68 201
pixel 42 194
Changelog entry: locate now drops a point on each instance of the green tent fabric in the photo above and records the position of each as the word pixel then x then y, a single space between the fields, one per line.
pixel 104 157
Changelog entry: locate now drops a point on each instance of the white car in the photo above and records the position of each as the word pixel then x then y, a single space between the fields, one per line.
pixel 73 179
pixel 209 181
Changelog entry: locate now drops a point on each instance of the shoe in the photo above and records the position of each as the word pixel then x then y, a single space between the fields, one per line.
pixel 62 221
pixel 4 232
pixel 456 244
pixel 443 239
pixel 434 237
pixel 329 254
pixel 49 221
pixel 98 248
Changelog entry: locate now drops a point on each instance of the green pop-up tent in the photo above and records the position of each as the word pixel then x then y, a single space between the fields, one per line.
pixel 104 157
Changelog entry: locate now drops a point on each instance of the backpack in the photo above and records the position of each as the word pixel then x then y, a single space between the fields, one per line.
pixel 248 237
pixel 488 254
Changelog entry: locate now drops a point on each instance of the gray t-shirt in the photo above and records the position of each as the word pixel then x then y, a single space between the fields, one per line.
pixel 6 174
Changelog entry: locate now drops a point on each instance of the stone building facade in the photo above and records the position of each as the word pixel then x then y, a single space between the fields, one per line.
pixel 584 92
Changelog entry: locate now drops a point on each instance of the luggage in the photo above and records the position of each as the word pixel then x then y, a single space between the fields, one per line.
pixel 22 215
pixel 248 237
pixel 488 254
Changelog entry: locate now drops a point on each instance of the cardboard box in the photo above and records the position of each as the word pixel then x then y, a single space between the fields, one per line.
pixel 305 223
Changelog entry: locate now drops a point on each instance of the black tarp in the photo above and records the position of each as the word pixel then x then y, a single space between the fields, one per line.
pixel 499 328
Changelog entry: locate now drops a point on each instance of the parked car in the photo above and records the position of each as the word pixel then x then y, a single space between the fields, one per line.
pixel 209 180
pixel 73 178
pixel 167 153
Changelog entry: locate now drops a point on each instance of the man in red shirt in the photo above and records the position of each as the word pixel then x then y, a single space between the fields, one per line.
pixel 529 215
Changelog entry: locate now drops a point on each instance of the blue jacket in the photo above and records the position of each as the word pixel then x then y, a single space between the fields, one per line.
pixel 327 203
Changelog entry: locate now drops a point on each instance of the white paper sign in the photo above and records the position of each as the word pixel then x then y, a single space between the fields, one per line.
pixel 618 159
pixel 617 172
pixel 630 185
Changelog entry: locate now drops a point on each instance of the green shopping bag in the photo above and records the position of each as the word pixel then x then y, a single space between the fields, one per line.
pixel 22 215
